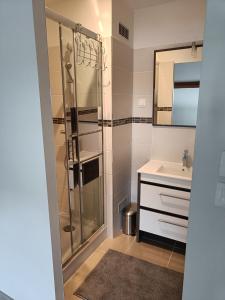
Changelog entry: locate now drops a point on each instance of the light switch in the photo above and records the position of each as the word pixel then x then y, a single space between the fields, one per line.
pixel 141 102
pixel 220 194
pixel 222 165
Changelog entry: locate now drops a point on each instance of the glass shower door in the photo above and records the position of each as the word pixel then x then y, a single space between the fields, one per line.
pixel 71 134
pixel 89 107
pixel 58 114
pixel 75 78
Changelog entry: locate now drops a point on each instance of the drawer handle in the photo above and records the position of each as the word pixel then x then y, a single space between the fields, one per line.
pixel 175 197
pixel 171 223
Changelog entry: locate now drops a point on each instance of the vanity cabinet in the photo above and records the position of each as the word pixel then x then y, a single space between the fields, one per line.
pixel 162 211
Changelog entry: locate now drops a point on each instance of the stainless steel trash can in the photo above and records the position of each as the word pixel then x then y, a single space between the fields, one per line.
pixel 129 219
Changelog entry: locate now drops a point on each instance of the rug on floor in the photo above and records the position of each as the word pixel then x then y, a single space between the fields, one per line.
pixel 122 277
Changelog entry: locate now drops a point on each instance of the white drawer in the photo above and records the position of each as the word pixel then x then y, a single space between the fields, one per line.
pixel 166 226
pixel 165 199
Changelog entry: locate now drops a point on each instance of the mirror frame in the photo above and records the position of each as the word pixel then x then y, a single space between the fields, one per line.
pixel 154 104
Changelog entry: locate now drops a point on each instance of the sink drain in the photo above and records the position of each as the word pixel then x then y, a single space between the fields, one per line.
pixel 68 228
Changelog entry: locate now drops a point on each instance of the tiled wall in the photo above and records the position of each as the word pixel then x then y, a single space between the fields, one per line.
pixel 154 28
pixel 122 90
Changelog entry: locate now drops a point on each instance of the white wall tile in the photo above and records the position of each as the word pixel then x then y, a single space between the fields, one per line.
pixel 108 193
pixel 107 138
pixel 169 143
pixel 57 106
pixel 143 83
pixel 107 93
pixel 122 12
pixel 59 134
pixel 142 133
pixel 108 162
pixel 122 55
pixel 121 182
pixel 141 152
pixel 145 111
pixel 143 59
pixel 122 144
pixel 107 50
pixel 122 105
pixel 122 81
pixel 55 82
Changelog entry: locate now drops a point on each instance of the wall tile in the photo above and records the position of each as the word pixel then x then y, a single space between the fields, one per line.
pixel 169 143
pixel 54 58
pixel 122 81
pixel 142 111
pixel 121 182
pixel 56 82
pixel 143 59
pixel 107 45
pixel 108 162
pixel 141 152
pixel 59 135
pixel 57 106
pixel 122 55
pixel 122 106
pixel 107 137
pixel 107 94
pixel 143 83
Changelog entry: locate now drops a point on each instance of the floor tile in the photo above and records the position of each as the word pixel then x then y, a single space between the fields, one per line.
pixel 125 244
pixel 78 278
pixel 176 262
pixel 150 253
pixel 121 243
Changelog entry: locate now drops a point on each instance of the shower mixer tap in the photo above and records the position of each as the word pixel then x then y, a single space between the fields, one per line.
pixel 68 66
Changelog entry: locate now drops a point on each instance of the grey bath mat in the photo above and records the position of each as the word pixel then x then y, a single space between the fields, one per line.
pixel 122 277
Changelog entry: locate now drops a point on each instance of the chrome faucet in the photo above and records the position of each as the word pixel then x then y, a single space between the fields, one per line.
pixel 185 159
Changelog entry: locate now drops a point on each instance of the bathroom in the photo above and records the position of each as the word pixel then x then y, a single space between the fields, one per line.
pixel 121 110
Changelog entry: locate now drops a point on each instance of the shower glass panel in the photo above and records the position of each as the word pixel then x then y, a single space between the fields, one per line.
pixel 92 204
pixel 76 95
pixel 71 132
pixel 89 98
pixel 88 64
pixel 58 112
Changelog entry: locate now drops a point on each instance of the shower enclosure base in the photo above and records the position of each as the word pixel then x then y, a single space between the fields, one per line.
pixel 65 229
pixel 84 252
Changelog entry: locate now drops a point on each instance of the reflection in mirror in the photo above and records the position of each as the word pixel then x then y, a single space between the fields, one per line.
pixel 176 86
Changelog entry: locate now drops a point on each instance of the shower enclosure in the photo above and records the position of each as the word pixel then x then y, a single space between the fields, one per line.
pixel 75 68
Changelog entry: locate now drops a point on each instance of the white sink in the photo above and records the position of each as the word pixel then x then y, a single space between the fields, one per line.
pixel 167 170
pixel 175 170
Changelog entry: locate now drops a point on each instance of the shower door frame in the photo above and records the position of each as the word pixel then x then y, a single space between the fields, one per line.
pixel 78 28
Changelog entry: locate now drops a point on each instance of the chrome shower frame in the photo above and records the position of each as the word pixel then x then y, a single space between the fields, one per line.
pixel 78 28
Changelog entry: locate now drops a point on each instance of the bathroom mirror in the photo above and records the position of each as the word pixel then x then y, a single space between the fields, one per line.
pixel 176 86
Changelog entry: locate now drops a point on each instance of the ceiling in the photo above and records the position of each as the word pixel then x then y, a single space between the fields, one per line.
pixel 137 4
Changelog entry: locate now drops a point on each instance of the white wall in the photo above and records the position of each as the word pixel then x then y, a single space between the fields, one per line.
pixel 95 15
pixel 122 90
pixel 122 13
pixel 30 269
pixel 205 264
pixel 160 26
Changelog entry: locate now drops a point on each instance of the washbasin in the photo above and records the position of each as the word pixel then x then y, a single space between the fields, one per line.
pixel 166 170
pixel 175 170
